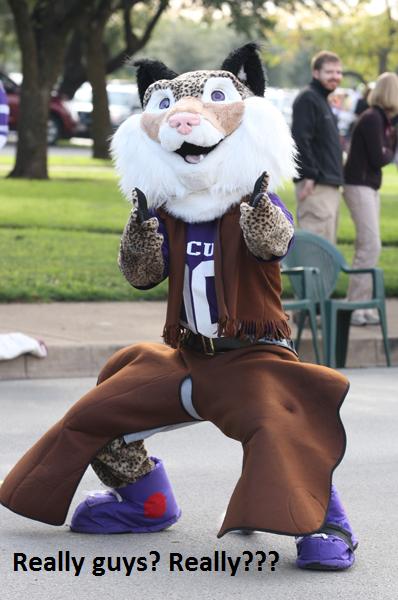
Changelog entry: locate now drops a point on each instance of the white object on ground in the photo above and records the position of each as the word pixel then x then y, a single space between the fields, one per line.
pixel 15 344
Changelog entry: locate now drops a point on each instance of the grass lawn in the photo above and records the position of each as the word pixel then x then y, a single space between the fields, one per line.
pixel 59 238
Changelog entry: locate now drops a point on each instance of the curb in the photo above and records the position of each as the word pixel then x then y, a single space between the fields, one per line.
pixel 86 360
pixel 362 353
pixel 83 360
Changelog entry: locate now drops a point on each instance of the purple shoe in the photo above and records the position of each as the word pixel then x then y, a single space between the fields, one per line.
pixel 144 506
pixel 332 547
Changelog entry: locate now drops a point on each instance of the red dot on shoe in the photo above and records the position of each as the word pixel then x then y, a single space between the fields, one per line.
pixel 155 506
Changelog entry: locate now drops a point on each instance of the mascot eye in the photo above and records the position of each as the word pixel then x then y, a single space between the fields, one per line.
pixel 217 96
pixel 165 103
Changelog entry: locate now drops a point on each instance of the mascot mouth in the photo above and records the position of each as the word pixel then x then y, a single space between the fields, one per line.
pixel 193 154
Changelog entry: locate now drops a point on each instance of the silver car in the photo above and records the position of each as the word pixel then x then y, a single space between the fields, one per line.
pixel 123 101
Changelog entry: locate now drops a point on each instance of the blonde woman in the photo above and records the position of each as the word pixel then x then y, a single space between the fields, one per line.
pixel 372 147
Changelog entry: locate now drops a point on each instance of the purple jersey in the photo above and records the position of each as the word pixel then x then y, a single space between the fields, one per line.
pixel 199 312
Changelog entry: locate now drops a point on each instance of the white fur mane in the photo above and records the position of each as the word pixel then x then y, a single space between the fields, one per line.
pixel 205 191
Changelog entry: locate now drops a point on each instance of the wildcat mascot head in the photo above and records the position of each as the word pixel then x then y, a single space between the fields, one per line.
pixel 203 137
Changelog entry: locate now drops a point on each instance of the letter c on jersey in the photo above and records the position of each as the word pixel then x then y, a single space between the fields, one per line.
pixel 190 248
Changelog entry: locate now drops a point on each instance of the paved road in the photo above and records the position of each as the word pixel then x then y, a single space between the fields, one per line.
pixel 204 466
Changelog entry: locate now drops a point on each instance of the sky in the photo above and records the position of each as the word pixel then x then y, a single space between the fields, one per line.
pixel 372 6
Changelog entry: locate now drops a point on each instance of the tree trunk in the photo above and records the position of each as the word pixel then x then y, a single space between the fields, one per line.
pixel 42 28
pixel 42 48
pixel 31 158
pixel 383 56
pixel 96 71
pixel 384 53
pixel 75 73
pixel 39 79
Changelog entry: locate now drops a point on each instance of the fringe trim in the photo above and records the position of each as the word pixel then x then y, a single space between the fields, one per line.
pixel 255 329
pixel 173 334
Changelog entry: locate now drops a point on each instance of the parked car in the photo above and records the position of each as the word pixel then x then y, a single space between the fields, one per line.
pixel 123 101
pixel 283 99
pixel 62 123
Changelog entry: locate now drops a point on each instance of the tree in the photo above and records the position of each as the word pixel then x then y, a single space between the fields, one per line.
pixel 42 28
pixel 45 27
pixel 367 45
pixel 185 45
pixel 136 21
pixel 88 57
pixel 135 25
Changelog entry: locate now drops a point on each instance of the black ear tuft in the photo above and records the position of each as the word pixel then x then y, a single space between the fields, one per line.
pixel 149 71
pixel 245 63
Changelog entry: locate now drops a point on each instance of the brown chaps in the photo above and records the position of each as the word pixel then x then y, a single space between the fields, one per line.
pixel 284 412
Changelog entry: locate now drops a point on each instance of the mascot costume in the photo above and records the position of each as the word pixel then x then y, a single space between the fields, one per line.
pixel 200 165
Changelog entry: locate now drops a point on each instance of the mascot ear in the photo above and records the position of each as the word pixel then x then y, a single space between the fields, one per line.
pixel 245 63
pixel 149 71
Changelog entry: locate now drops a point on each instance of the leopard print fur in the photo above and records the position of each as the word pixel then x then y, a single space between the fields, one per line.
pixel 266 229
pixel 119 464
pixel 192 85
pixel 140 254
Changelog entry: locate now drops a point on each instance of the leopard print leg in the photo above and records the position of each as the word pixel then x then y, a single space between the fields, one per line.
pixel 119 464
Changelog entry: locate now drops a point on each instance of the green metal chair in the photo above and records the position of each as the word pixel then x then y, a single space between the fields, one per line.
pixel 311 250
pixel 304 284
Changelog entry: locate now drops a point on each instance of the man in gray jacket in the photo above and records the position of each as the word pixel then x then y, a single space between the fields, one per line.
pixel 315 132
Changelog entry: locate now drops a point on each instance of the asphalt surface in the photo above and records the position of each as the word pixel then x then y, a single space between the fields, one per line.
pixel 204 466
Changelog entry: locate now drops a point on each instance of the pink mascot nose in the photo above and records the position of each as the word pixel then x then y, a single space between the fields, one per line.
pixel 184 121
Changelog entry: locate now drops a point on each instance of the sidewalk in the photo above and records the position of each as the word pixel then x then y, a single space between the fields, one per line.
pixel 81 336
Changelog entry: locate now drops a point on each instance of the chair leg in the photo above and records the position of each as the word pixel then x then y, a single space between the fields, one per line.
pixel 312 319
pixel 332 337
pixel 325 333
pixel 329 337
pixel 343 332
pixel 383 324
pixel 300 327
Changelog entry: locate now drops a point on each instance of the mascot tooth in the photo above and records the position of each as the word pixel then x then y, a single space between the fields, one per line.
pixel 201 166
